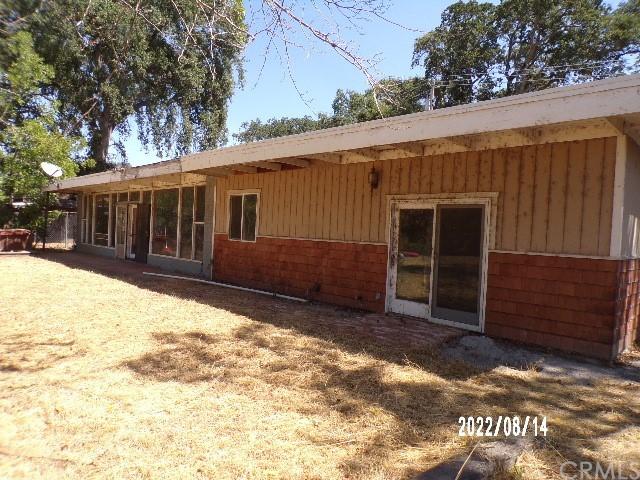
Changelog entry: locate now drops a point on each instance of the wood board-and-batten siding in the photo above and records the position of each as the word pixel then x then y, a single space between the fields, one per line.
pixel 553 198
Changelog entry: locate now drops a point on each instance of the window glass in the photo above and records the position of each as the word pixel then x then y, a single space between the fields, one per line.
pixel 134 196
pixel 123 196
pixel 121 212
pixel 235 217
pixel 249 207
pixel 112 200
pixel 186 223
pixel 89 219
pixel 200 200
pixel 199 241
pixel 146 197
pixel 102 220
pixel 165 222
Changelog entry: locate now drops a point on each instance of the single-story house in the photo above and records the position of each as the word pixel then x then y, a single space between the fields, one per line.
pixel 516 217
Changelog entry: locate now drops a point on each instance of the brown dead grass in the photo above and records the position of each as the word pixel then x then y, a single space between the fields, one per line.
pixel 135 377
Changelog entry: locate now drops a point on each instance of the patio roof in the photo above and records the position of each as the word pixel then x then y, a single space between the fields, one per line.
pixel 590 110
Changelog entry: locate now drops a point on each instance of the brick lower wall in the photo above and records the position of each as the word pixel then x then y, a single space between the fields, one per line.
pixel 628 301
pixel 342 273
pixel 582 305
pixel 573 304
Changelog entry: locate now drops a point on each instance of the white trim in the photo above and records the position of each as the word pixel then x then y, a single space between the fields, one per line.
pixel 151 223
pixel 615 97
pixel 564 255
pixel 174 258
pixel 93 219
pixel 617 214
pixel 97 246
pixel 314 239
pixel 179 226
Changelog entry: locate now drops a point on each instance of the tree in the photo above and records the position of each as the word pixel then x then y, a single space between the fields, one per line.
pixel 482 51
pixel 395 97
pixel 167 64
pixel 257 130
pixel 28 133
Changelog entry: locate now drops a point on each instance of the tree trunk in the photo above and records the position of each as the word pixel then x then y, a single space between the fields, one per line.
pixel 99 143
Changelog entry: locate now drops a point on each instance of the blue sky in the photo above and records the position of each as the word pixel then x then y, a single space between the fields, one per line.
pixel 318 71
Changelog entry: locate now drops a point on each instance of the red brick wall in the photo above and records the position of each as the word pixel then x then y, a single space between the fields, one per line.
pixel 571 304
pixel 628 297
pixel 348 274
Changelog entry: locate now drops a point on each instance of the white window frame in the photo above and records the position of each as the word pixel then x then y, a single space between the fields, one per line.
pixel 179 226
pixel 242 193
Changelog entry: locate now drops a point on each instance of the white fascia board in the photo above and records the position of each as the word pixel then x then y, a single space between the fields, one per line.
pixel 617 96
pixel 168 167
pixel 604 98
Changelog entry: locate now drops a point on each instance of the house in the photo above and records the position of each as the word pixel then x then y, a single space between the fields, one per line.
pixel 516 217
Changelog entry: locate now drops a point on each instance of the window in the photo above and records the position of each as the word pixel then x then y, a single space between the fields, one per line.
pixel 123 196
pixel 89 218
pixel 192 223
pixel 186 224
pixel 112 220
pixel 102 220
pixel 243 215
pixel 134 196
pixel 83 220
pixel 165 222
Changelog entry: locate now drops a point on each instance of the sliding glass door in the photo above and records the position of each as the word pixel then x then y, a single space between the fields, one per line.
pixel 436 261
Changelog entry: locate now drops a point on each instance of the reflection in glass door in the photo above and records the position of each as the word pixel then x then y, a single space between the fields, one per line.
pixel 413 261
pixel 458 264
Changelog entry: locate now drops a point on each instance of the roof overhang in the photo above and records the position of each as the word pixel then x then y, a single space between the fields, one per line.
pixel 599 108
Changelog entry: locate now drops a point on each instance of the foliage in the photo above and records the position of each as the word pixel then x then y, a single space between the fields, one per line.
pixel 164 63
pixel 481 50
pixel 393 97
pixel 28 133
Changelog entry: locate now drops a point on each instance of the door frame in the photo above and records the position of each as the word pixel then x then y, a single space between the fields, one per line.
pixel 396 202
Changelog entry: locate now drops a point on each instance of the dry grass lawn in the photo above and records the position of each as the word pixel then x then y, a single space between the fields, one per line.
pixel 136 377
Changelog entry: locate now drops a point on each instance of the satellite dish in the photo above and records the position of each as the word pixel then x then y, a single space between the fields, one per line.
pixel 51 170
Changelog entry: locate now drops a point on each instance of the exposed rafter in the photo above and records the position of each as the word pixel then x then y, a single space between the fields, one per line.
pixel 243 168
pixel 267 165
pixel 297 162
pixel 326 157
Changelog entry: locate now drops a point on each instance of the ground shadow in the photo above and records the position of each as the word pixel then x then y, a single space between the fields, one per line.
pixel 423 410
pixel 23 353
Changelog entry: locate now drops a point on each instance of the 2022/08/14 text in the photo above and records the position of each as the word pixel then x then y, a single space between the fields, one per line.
pixel 514 426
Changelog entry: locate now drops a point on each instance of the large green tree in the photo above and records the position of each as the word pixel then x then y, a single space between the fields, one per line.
pixel 28 131
pixel 482 50
pixel 169 64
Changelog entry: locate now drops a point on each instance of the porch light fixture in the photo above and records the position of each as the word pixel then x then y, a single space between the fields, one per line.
pixel 374 178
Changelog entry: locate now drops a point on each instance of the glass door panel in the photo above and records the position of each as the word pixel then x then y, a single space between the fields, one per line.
pixel 458 264
pixel 413 258
pixel 414 255
pixel 121 230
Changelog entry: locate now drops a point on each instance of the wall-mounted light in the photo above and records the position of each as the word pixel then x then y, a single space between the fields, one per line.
pixel 374 178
